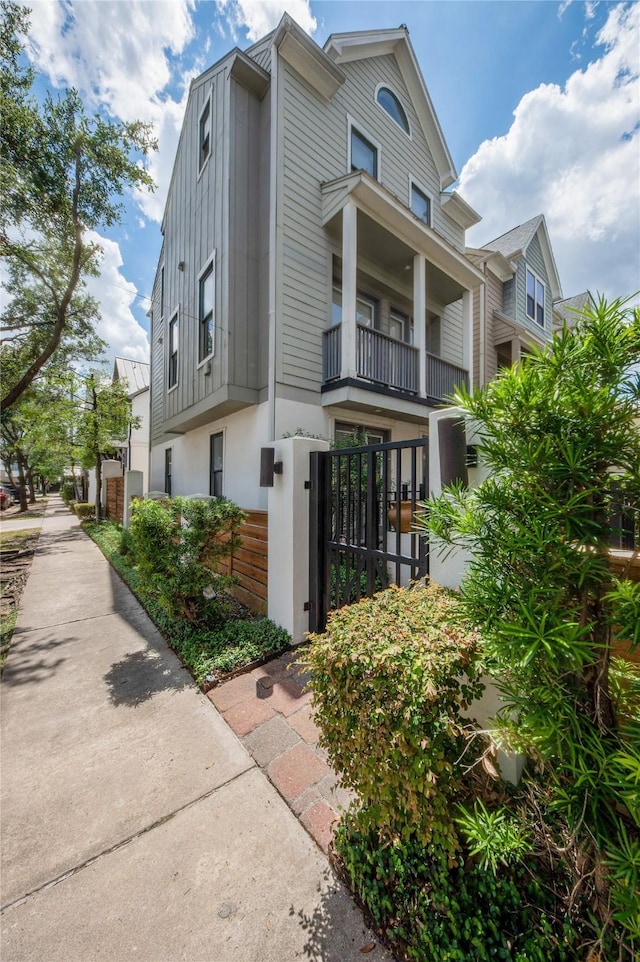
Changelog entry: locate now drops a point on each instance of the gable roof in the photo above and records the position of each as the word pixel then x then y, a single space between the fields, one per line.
pixel 566 309
pixel 135 373
pixel 363 44
pixel 515 242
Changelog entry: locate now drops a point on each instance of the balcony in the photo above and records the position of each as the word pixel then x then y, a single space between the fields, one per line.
pixel 392 364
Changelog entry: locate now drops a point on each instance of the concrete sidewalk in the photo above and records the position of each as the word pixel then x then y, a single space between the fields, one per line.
pixel 135 825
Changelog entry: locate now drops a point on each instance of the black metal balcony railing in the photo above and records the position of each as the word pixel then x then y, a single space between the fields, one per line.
pixel 443 377
pixel 379 358
pixel 386 361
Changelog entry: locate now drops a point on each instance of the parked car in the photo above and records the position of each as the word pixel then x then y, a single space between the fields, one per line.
pixel 12 491
pixel 5 498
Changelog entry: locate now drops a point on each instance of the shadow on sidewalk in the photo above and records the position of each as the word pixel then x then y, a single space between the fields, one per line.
pixel 142 674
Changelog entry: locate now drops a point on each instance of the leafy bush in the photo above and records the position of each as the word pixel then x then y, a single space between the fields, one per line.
pixel 208 654
pixel 67 491
pixel 391 676
pixel 437 912
pixel 178 544
pixel 84 509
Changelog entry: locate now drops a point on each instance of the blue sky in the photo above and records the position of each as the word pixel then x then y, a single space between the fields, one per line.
pixel 538 101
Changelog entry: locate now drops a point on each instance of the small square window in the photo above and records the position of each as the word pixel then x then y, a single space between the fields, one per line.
pixel 205 314
pixel 364 155
pixel 420 205
pixel 205 134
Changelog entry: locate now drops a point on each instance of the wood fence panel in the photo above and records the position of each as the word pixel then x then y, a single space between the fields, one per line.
pixel 250 562
pixel 115 499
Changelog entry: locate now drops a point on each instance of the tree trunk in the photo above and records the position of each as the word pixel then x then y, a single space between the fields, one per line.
pixel 23 485
pixel 32 486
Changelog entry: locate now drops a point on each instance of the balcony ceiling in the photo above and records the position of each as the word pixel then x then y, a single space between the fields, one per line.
pixel 390 235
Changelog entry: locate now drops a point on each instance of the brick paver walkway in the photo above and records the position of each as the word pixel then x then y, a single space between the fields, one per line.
pixel 270 711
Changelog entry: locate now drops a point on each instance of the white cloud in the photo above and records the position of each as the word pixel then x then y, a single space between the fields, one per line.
pixel 116 295
pixel 261 16
pixel 573 153
pixel 126 74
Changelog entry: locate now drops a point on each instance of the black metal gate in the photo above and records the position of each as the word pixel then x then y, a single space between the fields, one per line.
pixel 362 529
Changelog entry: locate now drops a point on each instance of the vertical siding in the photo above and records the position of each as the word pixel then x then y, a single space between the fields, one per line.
pixel 314 150
pixel 261 52
pixel 157 375
pixel 493 302
pixel 244 238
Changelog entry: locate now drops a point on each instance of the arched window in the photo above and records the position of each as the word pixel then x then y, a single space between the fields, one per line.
pixel 389 102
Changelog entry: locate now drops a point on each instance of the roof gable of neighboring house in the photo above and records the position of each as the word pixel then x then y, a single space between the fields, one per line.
pixel 516 242
pixel 348 47
pixel 565 311
pixel 135 373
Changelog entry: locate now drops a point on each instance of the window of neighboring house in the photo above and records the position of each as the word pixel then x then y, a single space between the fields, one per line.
pixel 353 435
pixel 391 105
pixel 215 465
pixel 173 351
pixel 421 205
pixel 204 138
pixel 364 154
pixel 400 326
pixel 433 343
pixel 535 298
pixel 168 454
pixel 205 314
pixel 503 355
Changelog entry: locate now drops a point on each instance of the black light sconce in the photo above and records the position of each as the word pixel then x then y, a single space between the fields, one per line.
pixel 268 467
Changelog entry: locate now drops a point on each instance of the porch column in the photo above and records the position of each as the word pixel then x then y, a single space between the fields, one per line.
pixel 420 318
pixel 349 287
pixel 467 334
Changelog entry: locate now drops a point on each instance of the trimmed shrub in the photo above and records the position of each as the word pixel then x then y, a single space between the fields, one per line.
pixel 391 678
pixel 177 545
pixel 84 509
pixel 67 491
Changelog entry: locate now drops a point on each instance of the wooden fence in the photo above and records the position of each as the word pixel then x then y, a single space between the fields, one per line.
pixel 115 499
pixel 249 563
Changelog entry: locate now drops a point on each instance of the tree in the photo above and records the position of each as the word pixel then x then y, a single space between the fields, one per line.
pixel 561 435
pixel 104 422
pixel 63 173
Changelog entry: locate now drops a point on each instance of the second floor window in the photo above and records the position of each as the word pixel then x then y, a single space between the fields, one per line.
pixel 173 351
pixel 364 155
pixel 205 134
pixel 420 205
pixel 205 314
pixel 391 105
pixel 535 298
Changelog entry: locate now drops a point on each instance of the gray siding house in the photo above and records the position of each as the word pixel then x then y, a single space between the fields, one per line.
pixel 313 275
pixel 520 303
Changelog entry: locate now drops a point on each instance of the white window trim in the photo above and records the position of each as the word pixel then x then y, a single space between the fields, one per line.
pixel 388 115
pixel 162 292
pixel 427 193
pixel 210 262
pixel 170 319
pixel 539 280
pixel 361 129
pixel 208 102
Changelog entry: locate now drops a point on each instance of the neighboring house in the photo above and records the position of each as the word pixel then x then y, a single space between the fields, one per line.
pixel 565 311
pixel 515 309
pixel 135 453
pixel 313 272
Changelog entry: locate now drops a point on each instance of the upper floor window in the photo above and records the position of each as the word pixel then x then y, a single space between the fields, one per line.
pixel 391 105
pixel 421 205
pixel 205 314
pixel 535 298
pixel 204 135
pixel 173 351
pixel 364 154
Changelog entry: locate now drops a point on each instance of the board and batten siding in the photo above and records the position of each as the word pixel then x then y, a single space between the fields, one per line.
pixel 314 149
pixel 157 373
pixel 195 221
pixel 261 52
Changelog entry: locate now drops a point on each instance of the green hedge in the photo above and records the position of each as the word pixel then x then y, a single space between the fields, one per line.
pixel 391 678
